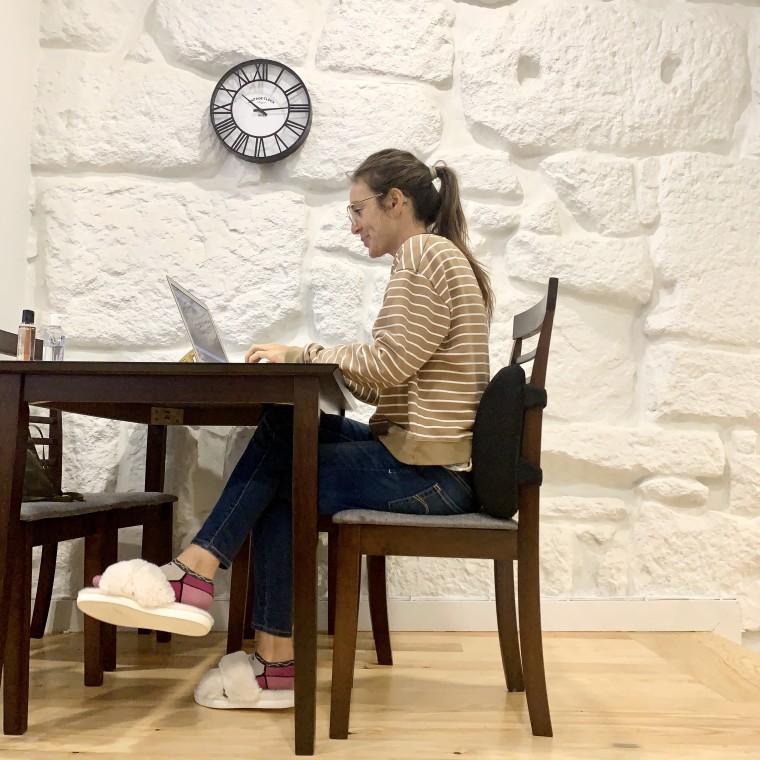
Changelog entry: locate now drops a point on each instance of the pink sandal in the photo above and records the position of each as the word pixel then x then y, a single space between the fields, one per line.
pixel 138 594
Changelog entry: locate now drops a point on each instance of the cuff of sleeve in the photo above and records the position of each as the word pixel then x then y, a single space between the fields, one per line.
pixel 294 355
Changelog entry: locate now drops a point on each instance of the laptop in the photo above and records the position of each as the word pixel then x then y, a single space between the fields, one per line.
pixel 205 338
pixel 199 325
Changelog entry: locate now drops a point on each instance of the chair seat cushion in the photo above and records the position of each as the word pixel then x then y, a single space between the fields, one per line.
pixel 31 511
pixel 474 520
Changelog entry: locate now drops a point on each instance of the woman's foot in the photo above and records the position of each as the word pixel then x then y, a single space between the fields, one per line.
pixel 273 675
pixel 137 594
pixel 188 587
pixel 247 682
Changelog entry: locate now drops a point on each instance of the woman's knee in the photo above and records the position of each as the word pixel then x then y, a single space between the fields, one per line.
pixel 276 416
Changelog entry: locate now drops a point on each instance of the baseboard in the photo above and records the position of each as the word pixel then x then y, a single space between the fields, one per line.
pixel 722 616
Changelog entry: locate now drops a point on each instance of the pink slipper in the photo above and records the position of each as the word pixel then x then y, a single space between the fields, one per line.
pixel 138 594
pixel 242 682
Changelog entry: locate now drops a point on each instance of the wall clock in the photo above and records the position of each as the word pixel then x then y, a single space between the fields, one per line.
pixel 261 110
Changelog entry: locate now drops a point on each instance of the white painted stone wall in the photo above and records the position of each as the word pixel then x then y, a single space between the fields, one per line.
pixel 19 53
pixel 612 144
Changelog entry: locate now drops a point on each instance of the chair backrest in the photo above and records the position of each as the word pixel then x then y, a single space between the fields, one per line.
pixel 506 447
pixel 46 429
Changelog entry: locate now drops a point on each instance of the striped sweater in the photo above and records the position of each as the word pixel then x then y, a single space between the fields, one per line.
pixel 428 363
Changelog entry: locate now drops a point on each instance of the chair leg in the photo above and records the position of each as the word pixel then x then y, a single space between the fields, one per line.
pixel 531 644
pixel 108 632
pixel 506 622
pixel 165 550
pixel 157 545
pixel 93 629
pixel 238 597
pixel 44 590
pixel 16 659
pixel 332 575
pixel 346 619
pixel 378 608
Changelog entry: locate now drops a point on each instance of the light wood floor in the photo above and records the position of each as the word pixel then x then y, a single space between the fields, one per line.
pixel 613 697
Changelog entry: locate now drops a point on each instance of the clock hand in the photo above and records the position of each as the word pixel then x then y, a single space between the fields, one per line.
pixel 258 108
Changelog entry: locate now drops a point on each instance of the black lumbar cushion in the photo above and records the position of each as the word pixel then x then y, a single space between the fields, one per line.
pixel 497 467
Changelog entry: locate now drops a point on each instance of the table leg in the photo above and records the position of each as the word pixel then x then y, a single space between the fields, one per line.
pixel 305 449
pixel 14 415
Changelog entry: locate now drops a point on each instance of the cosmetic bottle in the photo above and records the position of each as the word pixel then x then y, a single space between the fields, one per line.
pixel 26 333
pixel 53 340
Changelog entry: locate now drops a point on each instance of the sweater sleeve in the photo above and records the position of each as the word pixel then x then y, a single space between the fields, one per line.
pixel 411 325
pixel 366 393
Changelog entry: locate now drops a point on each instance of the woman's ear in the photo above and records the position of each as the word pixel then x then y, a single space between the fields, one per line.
pixel 395 201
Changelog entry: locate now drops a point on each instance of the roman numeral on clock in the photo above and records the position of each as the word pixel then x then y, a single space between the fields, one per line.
pixel 262 71
pixel 226 127
pixel 218 110
pixel 294 88
pixel 259 151
pixel 298 107
pixel 294 127
pixel 242 77
pixel 281 144
pixel 241 143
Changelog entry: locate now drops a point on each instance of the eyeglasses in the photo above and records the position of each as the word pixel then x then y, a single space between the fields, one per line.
pixel 354 213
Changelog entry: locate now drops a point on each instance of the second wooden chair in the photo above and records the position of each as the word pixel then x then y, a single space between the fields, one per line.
pixel 97 519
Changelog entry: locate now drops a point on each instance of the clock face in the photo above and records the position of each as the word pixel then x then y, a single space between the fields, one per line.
pixel 261 110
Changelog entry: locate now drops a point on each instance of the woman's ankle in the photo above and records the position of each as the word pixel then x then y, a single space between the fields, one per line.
pixel 199 560
pixel 274 648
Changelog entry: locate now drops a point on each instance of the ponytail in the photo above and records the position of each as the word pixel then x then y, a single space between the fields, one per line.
pixel 450 223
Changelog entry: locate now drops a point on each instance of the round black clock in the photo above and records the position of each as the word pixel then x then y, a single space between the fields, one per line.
pixel 261 110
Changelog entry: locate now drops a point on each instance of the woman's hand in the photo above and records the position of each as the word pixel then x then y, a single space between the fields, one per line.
pixel 272 352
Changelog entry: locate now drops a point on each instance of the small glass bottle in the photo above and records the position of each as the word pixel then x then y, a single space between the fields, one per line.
pixel 53 340
pixel 26 334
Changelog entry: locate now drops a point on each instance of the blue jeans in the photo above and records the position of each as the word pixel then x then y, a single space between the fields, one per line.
pixel 355 471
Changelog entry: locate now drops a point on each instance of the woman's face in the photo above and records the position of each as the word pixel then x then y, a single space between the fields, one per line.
pixel 370 222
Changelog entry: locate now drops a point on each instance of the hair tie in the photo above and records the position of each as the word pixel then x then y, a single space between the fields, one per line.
pixel 434 172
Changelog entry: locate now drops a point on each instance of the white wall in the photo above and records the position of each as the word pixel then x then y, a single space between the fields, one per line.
pixel 19 56
pixel 613 144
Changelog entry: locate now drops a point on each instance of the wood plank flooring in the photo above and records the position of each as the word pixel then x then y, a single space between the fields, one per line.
pixel 662 696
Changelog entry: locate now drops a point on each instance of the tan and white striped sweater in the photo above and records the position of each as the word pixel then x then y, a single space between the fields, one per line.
pixel 428 363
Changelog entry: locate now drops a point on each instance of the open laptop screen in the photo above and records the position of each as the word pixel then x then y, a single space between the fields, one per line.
pixel 199 324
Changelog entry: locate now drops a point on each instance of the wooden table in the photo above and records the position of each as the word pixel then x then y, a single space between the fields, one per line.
pixel 158 394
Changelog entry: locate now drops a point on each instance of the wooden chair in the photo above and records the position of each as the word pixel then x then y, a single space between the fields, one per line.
pixel 97 519
pixel 469 536
pixel 242 590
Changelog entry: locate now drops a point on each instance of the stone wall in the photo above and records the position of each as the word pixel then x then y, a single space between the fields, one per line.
pixel 612 144
pixel 19 53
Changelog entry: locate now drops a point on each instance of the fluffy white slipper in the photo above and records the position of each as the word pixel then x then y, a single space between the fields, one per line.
pixel 136 594
pixel 232 686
